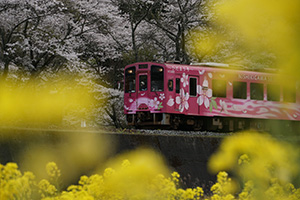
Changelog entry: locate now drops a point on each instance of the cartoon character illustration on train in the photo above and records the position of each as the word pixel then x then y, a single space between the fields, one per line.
pixel 208 96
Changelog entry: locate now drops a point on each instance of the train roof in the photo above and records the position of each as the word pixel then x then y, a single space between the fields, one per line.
pixel 211 65
pixel 224 67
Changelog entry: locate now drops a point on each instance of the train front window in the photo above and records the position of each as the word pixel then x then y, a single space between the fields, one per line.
pixel 157 78
pixel 130 80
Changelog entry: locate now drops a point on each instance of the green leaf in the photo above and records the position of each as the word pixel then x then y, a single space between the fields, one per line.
pixel 214 103
pixel 210 107
pixel 160 105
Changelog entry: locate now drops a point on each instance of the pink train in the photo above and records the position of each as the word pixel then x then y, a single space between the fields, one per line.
pixel 208 96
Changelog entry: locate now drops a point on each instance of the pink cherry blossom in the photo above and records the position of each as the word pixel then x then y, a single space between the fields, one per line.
pixel 204 95
pixel 185 80
pixel 182 100
pixel 170 101
pixel 154 103
pixel 162 96
pixel 223 106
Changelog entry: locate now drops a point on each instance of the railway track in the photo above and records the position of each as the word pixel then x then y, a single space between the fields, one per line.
pixel 175 133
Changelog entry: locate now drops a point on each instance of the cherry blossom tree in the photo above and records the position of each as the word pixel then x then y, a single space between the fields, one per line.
pixel 174 19
pixel 37 35
pixel 135 12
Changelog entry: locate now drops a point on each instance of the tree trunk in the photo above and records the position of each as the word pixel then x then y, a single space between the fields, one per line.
pixel 186 59
pixel 134 48
pixel 177 44
pixel 5 71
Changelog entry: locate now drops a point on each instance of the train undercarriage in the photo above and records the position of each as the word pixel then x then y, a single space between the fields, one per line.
pixel 200 123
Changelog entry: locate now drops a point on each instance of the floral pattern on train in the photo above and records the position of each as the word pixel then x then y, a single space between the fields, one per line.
pixel 205 95
pixel 182 100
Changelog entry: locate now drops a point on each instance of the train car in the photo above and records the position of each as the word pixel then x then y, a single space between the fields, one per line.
pixel 208 96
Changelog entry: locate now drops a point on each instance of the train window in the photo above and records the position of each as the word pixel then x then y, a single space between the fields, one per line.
pixel 273 92
pixel 130 80
pixel 239 90
pixel 170 85
pixel 177 85
pixel 219 88
pixel 143 82
pixel 157 78
pixel 289 94
pixel 256 91
pixel 193 87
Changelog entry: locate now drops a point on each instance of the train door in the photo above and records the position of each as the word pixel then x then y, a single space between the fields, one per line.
pixel 177 92
pixel 193 106
pixel 142 88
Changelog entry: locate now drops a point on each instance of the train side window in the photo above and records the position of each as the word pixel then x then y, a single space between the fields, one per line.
pixel 219 88
pixel 239 90
pixel 177 85
pixel 273 92
pixel 256 91
pixel 289 94
pixel 193 87
pixel 170 84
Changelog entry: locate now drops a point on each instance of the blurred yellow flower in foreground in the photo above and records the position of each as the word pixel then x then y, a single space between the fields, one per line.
pixel 256 159
pixel 14 184
pixel 68 154
pixel 268 157
pixel 224 188
pixel 38 104
pixel 52 170
pixel 253 32
pixel 142 174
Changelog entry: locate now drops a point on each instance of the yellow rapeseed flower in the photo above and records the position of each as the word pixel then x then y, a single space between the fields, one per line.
pixel 46 189
pixel 14 185
pixel 52 170
pixel 269 158
pixel 255 159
